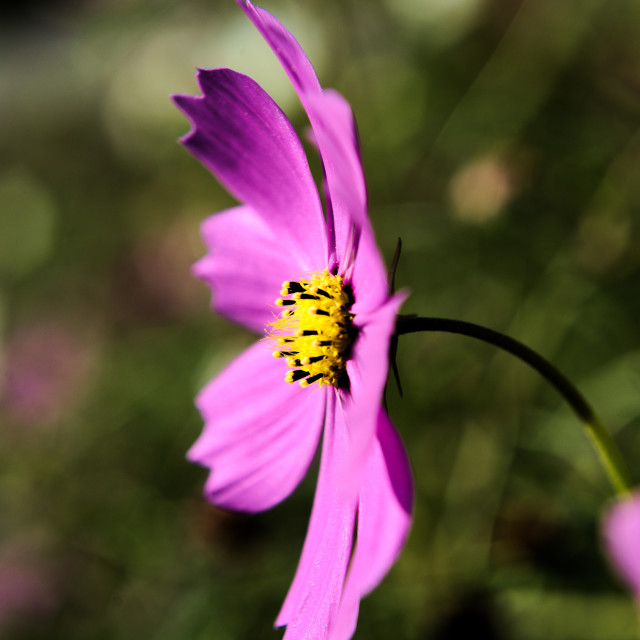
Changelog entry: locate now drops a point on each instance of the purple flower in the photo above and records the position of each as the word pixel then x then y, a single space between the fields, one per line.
pixel 331 335
pixel 622 537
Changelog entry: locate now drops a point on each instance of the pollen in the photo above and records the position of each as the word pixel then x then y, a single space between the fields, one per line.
pixel 313 332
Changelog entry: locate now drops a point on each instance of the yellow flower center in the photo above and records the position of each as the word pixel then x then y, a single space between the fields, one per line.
pixel 314 330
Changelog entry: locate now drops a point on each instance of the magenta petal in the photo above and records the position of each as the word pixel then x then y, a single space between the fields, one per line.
pixel 367 371
pixel 335 134
pixel 333 127
pixel 313 599
pixel 246 141
pixel 368 275
pixel 260 433
pixel 287 49
pixel 384 519
pixel 245 266
pixel 622 535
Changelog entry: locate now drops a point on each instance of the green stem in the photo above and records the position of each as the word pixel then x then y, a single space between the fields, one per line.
pixel 601 438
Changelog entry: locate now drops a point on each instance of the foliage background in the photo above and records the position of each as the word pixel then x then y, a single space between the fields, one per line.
pixel 500 140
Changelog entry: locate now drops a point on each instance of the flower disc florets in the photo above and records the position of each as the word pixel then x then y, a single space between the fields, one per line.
pixel 314 331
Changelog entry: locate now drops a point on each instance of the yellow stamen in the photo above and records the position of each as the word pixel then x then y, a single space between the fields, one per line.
pixel 314 333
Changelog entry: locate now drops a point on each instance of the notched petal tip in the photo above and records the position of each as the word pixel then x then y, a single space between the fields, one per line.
pixel 183 102
pixel 241 135
pixel 190 104
pixel 207 79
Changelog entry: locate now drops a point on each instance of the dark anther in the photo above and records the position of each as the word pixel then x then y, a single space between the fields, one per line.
pixel 313 379
pixel 295 287
pixel 286 303
pixel 308 296
pixel 321 312
pixel 288 354
pixel 322 292
pixel 299 374
pixel 324 343
pixel 309 332
pixel 315 359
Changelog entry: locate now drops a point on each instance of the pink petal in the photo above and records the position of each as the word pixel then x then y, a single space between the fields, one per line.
pixel 336 136
pixel 246 141
pixel 622 535
pixel 333 127
pixel 245 266
pixel 368 276
pixel 384 518
pixel 313 599
pixel 260 433
pixel 367 370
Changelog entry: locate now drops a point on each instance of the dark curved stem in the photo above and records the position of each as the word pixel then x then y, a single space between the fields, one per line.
pixel 606 447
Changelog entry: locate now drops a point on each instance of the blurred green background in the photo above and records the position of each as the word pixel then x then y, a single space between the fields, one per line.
pixel 500 141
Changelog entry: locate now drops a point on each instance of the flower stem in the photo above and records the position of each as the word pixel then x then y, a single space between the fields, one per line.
pixel 601 438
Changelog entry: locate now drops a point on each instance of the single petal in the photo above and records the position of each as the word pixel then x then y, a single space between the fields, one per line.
pixel 357 252
pixel 368 276
pixel 245 266
pixel 246 141
pixel 260 433
pixel 337 140
pixel 314 596
pixel 384 519
pixel 622 535
pixel 367 370
pixel 333 127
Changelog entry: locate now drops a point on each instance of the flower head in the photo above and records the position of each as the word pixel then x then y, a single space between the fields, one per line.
pixel 622 537
pixel 315 283
pixel 315 331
